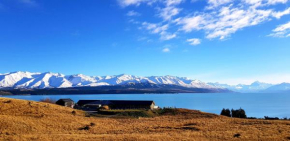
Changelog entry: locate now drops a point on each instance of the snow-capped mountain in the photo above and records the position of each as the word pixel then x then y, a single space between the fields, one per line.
pixel 28 80
pixel 252 88
pixel 33 80
pixel 283 87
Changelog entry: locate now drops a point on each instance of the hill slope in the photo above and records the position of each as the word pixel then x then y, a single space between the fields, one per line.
pixel 28 120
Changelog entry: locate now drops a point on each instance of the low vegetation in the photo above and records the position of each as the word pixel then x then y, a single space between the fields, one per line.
pixel 28 120
pixel 136 113
pixel 238 113
pixel 48 100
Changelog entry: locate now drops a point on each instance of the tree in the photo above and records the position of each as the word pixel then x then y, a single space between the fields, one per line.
pixel 226 112
pixel 239 113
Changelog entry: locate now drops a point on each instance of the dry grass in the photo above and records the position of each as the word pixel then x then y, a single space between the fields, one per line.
pixel 27 120
pixel 48 100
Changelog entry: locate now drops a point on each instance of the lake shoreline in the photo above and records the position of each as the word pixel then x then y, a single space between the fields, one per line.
pixel 255 104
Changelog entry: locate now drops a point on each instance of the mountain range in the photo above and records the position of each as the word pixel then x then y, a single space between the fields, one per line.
pixel 48 80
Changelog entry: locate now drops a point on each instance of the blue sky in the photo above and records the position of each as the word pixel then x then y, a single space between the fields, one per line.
pixel 228 41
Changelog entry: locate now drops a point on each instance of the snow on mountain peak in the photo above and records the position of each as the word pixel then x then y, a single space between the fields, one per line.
pixel 56 80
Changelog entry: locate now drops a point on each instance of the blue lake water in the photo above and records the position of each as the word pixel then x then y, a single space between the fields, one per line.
pixel 255 104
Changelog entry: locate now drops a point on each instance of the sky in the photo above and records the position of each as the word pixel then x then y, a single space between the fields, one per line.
pixel 226 41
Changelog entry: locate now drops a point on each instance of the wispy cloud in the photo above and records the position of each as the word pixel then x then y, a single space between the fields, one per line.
pixel 159 29
pixel 228 20
pixel 282 30
pixel 166 50
pixel 168 12
pixel 133 13
pixel 125 3
pixel 170 9
pixel 218 20
pixel 144 39
pixel 194 41
pixel 279 14
pixel 216 3
pixel 29 2
pixel 172 2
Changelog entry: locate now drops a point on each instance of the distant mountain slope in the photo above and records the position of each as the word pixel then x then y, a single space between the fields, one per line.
pixel 280 88
pixel 28 80
pixel 252 88
pixel 131 88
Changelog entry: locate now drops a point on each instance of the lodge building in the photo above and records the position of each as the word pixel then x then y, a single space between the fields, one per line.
pixel 88 105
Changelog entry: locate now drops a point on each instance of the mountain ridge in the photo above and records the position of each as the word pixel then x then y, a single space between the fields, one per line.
pixel 50 80
pixel 29 80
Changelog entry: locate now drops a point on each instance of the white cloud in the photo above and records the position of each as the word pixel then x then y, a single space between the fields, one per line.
pixel 216 3
pixel 170 9
pixel 191 23
pixel 134 21
pixel 261 3
pixel 278 15
pixel 282 30
pixel 227 20
pixel 166 50
pixel 172 2
pixel 282 27
pixel 155 28
pixel 133 13
pixel 219 20
pixel 273 2
pixel 131 2
pixel 194 41
pixel 167 36
pixel 159 29
pixel 168 12
pixel 125 3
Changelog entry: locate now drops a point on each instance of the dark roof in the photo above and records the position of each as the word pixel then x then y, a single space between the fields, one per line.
pixel 115 102
pixel 83 102
pixel 66 100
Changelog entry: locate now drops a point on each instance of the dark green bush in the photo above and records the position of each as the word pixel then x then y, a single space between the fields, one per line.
pixel 226 112
pixel 239 113
pixel 168 110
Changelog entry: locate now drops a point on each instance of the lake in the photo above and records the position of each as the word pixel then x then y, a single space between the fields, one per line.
pixel 255 104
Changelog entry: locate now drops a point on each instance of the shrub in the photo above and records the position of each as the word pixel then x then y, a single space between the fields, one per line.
pixel 87 127
pixel 48 100
pixel 239 113
pixel 166 111
pixel 226 112
pixel 137 114
pixel 74 113
pixel 237 135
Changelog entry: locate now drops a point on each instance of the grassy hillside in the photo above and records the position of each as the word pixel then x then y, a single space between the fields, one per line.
pixel 27 120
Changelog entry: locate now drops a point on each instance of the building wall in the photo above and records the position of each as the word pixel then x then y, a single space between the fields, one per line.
pixel 131 106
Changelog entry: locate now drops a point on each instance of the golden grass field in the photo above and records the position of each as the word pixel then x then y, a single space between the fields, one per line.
pixel 28 120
